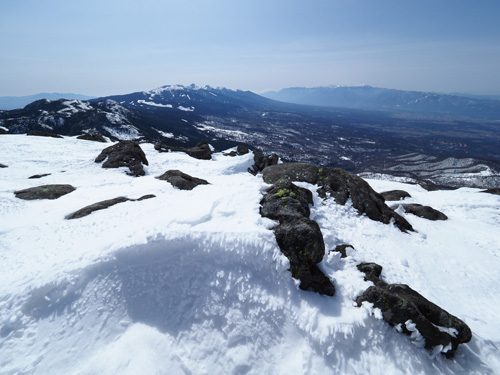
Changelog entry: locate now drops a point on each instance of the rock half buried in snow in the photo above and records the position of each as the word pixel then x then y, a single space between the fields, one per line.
pixel 495 191
pixel 3 165
pixel 425 212
pixel 103 205
pixel 124 154
pixel 201 151
pixel 40 133
pixel 35 176
pixel 342 249
pixel 96 137
pixel 341 185
pixel 298 237
pixel 240 150
pixel 182 180
pixel 409 312
pixel 395 195
pixel 44 192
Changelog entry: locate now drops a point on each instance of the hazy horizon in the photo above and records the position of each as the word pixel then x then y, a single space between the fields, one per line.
pixel 106 48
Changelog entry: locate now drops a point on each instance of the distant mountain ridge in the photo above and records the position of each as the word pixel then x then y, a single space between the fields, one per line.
pixel 16 102
pixel 368 97
pixel 357 140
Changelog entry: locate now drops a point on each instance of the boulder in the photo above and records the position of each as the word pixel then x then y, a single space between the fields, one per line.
pixel 285 200
pixel 395 195
pixel 341 185
pixel 182 180
pixel 124 154
pixel 342 249
pixel 261 162
pixel 40 133
pixel 425 212
pixel 407 310
pixel 240 150
pixel 44 192
pixel 3 165
pixel 299 238
pixel 87 210
pixel 39 176
pixel 95 137
pixel 201 151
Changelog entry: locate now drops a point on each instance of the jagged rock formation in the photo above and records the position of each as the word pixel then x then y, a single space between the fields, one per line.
pixel 182 180
pixel 44 192
pixel 96 137
pixel 342 249
pixel 340 185
pixel 261 162
pixel 40 133
pixel 124 154
pixel 395 195
pixel 201 151
pixel 409 311
pixel 425 212
pixel 87 210
pixel 298 237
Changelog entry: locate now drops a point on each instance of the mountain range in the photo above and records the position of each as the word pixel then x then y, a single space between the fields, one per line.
pixel 416 146
pixel 368 97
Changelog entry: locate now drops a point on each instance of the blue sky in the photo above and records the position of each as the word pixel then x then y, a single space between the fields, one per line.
pixel 112 47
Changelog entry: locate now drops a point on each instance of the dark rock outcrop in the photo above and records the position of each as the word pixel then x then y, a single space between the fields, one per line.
pixel 201 151
pixel 182 180
pixel 425 212
pixel 341 185
pixel 401 306
pixel 96 137
pixel 39 176
pixel 298 237
pixel 240 150
pixel 395 195
pixel 342 249
pixel 44 192
pixel 261 162
pixel 3 165
pixel 40 133
pixel 87 210
pixel 372 272
pixel 124 154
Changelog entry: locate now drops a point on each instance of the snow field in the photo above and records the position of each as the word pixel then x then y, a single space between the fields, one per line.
pixel 192 282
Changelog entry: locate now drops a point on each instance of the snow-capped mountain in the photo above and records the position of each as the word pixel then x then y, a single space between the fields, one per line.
pixel 368 97
pixel 356 140
pixel 72 117
pixel 170 281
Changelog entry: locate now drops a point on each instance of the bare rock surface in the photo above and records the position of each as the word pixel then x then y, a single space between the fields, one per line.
pixel 124 154
pixel 44 192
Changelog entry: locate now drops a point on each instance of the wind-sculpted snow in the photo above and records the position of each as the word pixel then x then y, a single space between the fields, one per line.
pixel 193 282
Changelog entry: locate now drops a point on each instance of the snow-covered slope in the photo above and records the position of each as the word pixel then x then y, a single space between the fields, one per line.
pixel 193 282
